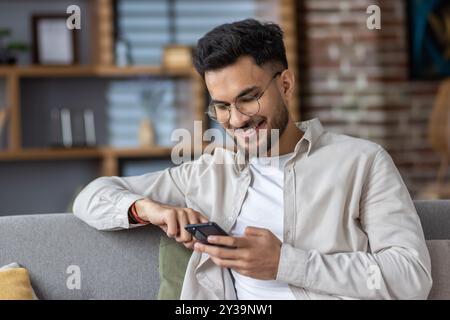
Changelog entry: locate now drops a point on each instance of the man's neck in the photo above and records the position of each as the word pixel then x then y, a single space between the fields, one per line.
pixel 288 140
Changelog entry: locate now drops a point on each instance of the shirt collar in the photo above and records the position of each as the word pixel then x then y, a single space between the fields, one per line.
pixel 312 131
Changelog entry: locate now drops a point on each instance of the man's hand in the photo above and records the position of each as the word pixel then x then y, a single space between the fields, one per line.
pixel 257 253
pixel 170 219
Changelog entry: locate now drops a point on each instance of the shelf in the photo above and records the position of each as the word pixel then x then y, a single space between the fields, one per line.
pixel 113 71
pixel 46 71
pixel 54 71
pixel 91 71
pixel 82 153
pixel 49 154
pixel 138 153
pixel 6 70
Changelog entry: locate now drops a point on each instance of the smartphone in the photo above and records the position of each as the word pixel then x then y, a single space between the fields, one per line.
pixel 201 231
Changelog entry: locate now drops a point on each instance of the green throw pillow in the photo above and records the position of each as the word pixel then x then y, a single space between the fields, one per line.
pixel 173 260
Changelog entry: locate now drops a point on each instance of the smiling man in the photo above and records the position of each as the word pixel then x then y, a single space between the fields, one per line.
pixel 330 219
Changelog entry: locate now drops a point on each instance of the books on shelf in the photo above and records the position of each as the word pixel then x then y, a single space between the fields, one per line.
pixel 72 128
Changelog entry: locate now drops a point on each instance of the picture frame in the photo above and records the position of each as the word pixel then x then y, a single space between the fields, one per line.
pixel 429 48
pixel 53 42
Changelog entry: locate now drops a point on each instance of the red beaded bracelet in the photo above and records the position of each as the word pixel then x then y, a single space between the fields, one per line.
pixel 135 215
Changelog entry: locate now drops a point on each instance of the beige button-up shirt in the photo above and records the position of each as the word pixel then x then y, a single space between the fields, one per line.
pixel 350 227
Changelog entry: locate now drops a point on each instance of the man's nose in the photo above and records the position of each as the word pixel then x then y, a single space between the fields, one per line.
pixel 237 119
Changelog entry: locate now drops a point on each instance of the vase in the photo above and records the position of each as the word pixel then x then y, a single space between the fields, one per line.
pixel 146 133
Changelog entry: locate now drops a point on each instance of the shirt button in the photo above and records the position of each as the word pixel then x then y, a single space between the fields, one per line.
pixel 288 233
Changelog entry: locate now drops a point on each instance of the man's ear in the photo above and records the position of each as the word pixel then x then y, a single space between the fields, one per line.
pixel 287 84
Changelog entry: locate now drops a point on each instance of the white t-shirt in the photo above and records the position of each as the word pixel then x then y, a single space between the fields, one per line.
pixel 263 208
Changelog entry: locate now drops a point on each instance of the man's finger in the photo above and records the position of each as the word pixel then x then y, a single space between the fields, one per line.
pixel 164 228
pixel 227 263
pixel 189 244
pixel 183 235
pixel 233 242
pixel 172 225
pixel 254 231
pixel 198 216
pixel 193 217
pixel 202 218
pixel 219 252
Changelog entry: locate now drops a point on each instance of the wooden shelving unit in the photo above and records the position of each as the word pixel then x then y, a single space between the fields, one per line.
pixel 102 43
pixel 103 66
pixel 288 9
pixel 109 156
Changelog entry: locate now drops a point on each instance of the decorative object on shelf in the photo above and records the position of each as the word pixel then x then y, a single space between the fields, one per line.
pixel 146 133
pixel 157 102
pixel 123 53
pixel 77 126
pixel 53 42
pixel 9 52
pixel 137 107
pixel 89 128
pixel 66 128
pixel 55 137
pixel 72 128
pixel 177 57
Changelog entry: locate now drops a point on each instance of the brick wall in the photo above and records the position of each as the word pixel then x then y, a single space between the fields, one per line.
pixel 356 81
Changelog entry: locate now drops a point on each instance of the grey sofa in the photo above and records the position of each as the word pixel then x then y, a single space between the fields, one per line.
pixel 124 264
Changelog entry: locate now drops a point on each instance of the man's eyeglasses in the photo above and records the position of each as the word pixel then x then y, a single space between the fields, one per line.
pixel 248 105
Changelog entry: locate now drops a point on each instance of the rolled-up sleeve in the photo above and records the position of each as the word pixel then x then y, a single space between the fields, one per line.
pixel 104 203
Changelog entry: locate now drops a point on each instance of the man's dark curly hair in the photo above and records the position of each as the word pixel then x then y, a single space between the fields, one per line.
pixel 224 44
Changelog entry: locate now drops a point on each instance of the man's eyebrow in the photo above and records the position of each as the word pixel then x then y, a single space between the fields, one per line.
pixel 241 94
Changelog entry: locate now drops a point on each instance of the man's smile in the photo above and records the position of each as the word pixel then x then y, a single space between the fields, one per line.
pixel 250 130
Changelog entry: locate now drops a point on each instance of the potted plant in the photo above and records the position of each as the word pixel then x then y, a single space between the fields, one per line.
pixel 9 51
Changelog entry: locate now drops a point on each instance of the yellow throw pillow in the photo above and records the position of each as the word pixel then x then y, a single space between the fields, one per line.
pixel 15 285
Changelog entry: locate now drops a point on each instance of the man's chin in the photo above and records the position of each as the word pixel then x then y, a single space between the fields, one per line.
pixel 255 145
pixel 258 149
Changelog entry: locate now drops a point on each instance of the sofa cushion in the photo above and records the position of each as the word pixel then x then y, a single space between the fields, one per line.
pixel 173 260
pixel 440 271
pixel 112 265
pixel 434 218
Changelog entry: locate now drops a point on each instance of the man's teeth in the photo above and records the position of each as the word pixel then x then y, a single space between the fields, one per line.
pixel 252 127
pixel 249 129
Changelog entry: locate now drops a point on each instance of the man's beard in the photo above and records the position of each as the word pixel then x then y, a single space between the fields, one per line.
pixel 266 138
